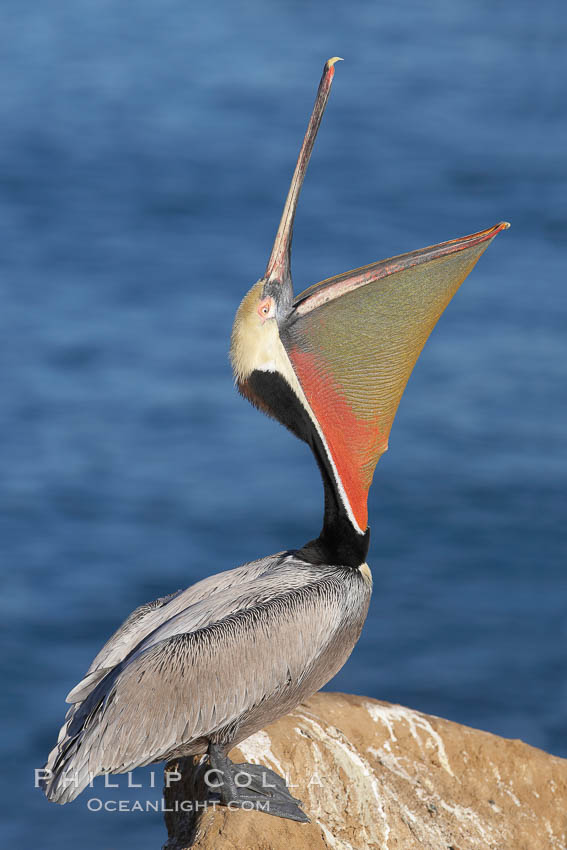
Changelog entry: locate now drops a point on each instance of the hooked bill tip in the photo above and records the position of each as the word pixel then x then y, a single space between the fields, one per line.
pixel 330 62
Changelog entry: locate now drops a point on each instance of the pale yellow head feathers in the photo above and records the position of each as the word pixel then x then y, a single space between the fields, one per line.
pixel 255 341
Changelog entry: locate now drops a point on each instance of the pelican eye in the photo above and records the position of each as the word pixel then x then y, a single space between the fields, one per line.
pixel 266 308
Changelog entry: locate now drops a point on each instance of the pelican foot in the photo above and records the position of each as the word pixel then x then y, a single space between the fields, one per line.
pixel 251 786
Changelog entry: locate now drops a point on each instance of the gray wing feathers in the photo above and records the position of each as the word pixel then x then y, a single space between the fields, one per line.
pixel 189 685
pixel 118 646
pixel 128 633
pixel 149 617
pixel 200 683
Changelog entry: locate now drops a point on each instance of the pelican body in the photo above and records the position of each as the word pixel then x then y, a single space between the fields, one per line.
pixel 198 671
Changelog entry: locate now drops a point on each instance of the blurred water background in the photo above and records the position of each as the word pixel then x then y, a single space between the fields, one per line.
pixel 145 154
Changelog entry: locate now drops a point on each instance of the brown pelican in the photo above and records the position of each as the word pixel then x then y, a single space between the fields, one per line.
pixel 200 670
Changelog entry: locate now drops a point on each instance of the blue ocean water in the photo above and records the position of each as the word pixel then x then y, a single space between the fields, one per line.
pixel 144 158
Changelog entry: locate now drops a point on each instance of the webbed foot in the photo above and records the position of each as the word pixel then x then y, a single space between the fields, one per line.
pixel 251 786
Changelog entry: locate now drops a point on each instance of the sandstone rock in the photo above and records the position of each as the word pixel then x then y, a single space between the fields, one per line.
pixel 380 776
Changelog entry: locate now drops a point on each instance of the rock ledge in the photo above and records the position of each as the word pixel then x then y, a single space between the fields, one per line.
pixel 384 777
